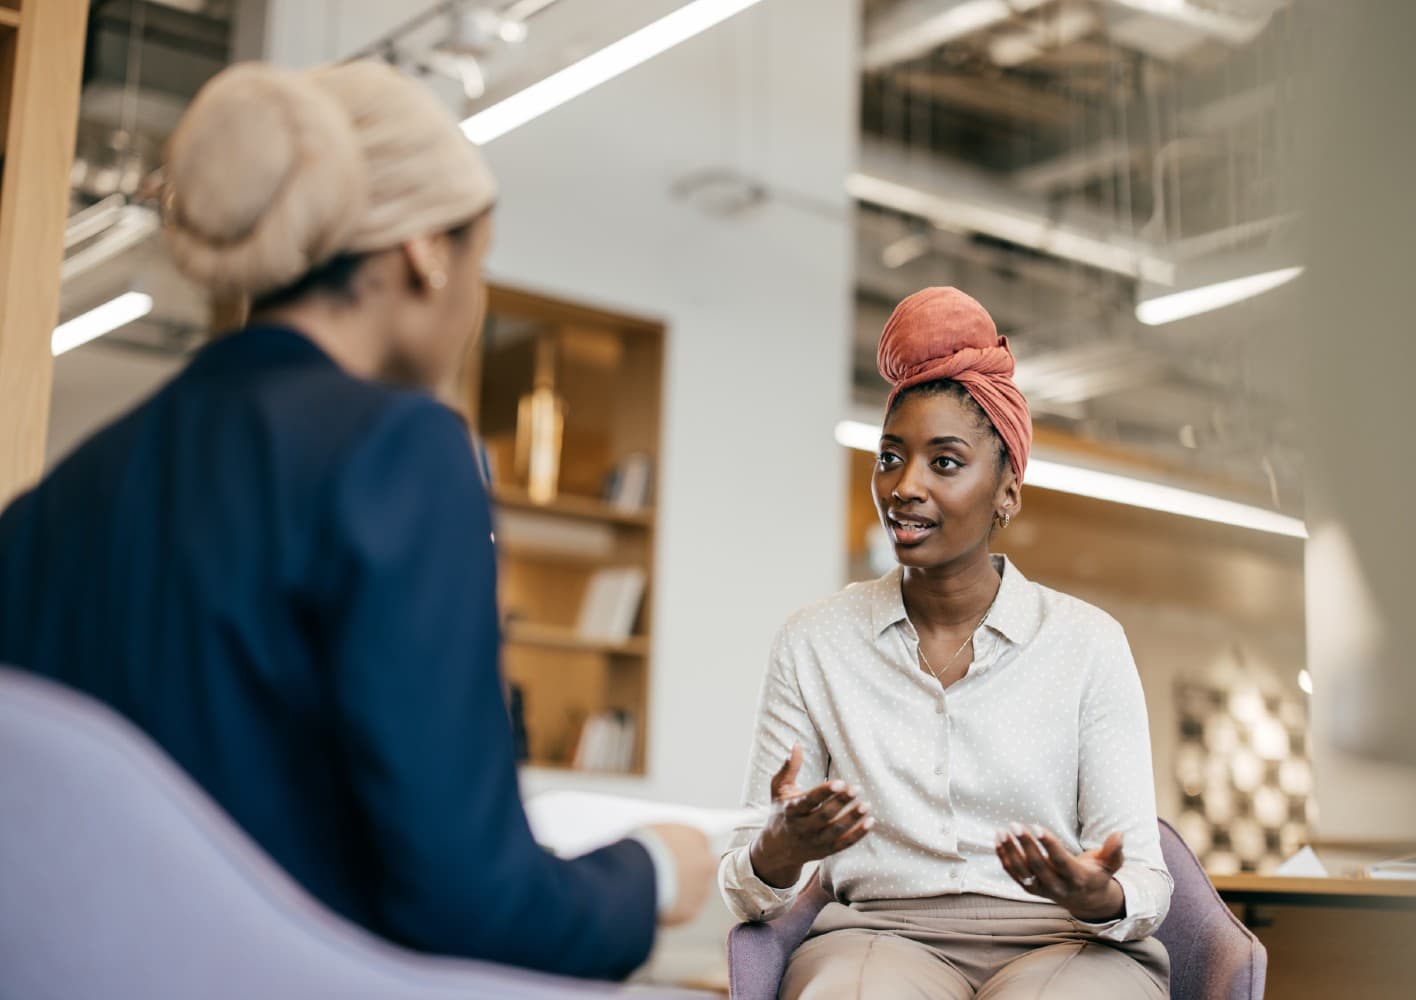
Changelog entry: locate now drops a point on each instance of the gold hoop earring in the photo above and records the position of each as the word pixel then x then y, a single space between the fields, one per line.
pixel 1004 519
pixel 437 280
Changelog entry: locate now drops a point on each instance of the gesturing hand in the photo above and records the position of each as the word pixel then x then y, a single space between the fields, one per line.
pixel 1083 884
pixel 806 826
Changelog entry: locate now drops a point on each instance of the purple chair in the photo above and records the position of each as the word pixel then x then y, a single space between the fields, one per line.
pixel 120 878
pixel 1212 955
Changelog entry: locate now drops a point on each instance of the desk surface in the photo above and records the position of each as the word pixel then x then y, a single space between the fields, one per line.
pixel 1373 893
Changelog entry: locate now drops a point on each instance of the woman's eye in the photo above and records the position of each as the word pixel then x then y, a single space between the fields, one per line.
pixel 946 463
pixel 887 458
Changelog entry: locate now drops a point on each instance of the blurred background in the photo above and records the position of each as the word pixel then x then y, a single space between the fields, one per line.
pixel 1188 216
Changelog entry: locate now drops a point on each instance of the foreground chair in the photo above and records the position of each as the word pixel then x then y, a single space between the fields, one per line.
pixel 1212 955
pixel 120 879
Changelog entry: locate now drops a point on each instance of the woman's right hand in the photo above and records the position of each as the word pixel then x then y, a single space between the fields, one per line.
pixel 806 826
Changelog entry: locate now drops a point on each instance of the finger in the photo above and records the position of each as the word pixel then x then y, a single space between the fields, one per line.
pixel 848 816
pixel 1111 856
pixel 823 815
pixel 1011 855
pixel 1048 882
pixel 1062 860
pixel 855 834
pixel 787 774
pixel 812 800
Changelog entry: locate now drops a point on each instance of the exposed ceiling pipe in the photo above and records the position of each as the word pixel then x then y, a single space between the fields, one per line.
pixel 960 198
pixel 1234 29
pixel 916 27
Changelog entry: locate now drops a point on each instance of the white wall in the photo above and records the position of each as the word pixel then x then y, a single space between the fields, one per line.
pixel 1357 323
pixel 757 308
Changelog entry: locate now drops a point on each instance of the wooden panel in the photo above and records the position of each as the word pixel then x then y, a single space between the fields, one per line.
pixel 542 591
pixel 38 154
pixel 568 505
pixel 559 637
pixel 1317 953
pixel 560 689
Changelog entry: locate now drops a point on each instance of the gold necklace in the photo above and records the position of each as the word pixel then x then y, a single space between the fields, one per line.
pixel 925 660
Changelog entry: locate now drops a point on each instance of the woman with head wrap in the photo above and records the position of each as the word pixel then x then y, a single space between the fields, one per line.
pixel 281 564
pixel 963 753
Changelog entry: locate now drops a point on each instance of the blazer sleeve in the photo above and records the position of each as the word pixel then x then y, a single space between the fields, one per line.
pixel 424 730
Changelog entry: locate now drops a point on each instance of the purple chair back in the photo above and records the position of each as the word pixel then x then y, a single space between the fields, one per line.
pixel 120 878
pixel 1212 955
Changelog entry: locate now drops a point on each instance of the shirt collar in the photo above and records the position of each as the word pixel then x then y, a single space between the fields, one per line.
pixel 1016 614
pixel 258 346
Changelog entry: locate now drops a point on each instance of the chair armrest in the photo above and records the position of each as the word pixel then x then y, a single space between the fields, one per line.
pixel 758 952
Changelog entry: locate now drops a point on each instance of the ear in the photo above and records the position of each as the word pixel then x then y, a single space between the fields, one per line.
pixel 427 260
pixel 1009 497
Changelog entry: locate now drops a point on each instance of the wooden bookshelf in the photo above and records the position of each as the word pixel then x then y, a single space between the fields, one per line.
pixel 559 637
pixel 607 373
pixel 41 63
pixel 581 507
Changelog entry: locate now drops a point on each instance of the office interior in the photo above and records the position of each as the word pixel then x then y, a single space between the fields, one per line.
pixel 1187 216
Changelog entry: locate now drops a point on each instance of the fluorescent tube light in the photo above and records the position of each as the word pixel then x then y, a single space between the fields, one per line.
pixel 96 322
pixel 606 64
pixel 1194 301
pixel 1109 486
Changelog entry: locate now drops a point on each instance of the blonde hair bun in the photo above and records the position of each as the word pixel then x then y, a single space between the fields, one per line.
pixel 265 180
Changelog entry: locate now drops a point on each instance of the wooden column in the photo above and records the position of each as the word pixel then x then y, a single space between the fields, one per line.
pixel 41 64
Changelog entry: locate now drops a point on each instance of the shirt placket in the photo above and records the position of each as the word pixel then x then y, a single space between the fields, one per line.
pixel 940 778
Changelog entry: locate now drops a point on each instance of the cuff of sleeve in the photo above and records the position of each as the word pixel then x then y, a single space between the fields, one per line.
pixel 1135 922
pixel 749 897
pixel 665 872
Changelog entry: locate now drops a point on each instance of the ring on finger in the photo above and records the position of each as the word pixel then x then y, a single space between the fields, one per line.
pixel 1029 881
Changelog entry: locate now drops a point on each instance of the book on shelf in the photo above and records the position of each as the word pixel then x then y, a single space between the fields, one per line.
pixel 611 604
pixel 527 531
pixel 629 483
pixel 606 742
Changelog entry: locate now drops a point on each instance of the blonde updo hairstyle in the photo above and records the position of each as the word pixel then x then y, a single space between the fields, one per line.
pixel 280 182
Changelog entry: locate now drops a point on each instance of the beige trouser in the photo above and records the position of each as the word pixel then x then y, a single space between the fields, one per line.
pixel 967 948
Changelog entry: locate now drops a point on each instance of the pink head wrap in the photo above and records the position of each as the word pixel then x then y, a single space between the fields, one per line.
pixel 941 333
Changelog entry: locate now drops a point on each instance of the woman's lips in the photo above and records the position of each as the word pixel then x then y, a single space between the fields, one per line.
pixel 910 530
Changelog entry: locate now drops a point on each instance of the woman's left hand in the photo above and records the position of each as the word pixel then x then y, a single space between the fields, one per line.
pixel 1083 884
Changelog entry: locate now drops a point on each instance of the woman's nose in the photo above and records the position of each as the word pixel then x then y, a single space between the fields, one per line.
pixel 909 486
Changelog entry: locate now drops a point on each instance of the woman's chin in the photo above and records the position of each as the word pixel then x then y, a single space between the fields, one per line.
pixel 918 556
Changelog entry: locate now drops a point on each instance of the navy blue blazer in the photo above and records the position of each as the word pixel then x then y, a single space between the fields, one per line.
pixel 285 575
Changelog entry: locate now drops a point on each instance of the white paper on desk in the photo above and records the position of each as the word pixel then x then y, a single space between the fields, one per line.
pixel 1304 864
pixel 572 823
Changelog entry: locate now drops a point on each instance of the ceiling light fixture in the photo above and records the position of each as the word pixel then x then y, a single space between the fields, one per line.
pixel 1109 486
pixel 1175 306
pixel 618 57
pixel 96 322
